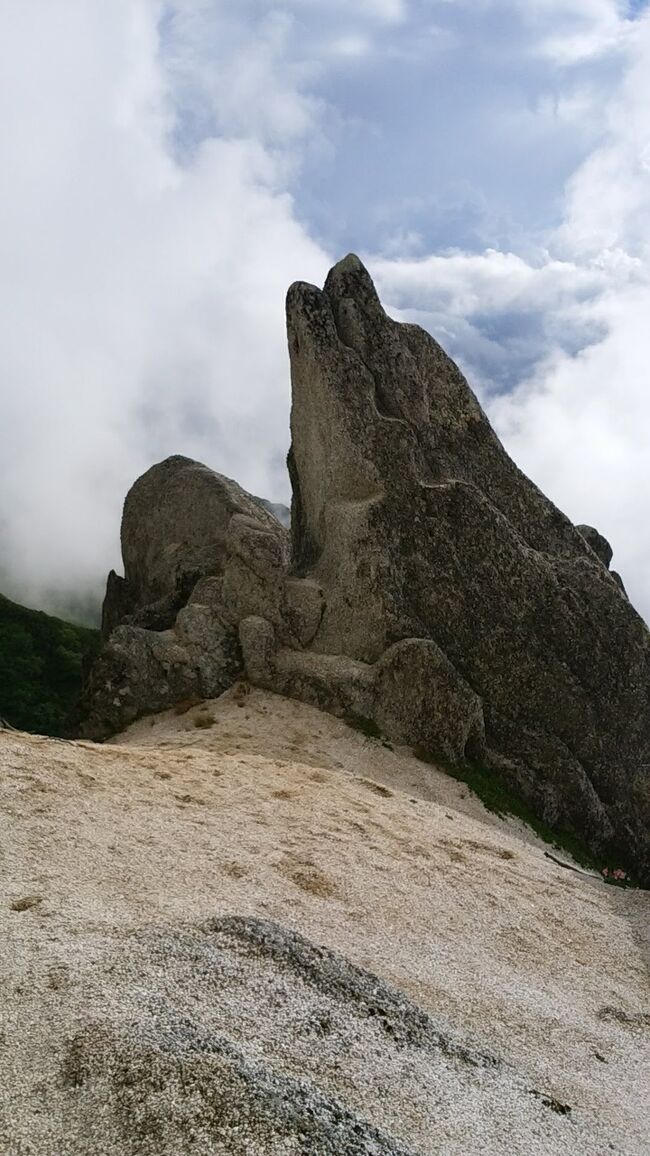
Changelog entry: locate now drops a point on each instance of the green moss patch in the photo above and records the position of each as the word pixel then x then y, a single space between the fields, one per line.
pixel 501 800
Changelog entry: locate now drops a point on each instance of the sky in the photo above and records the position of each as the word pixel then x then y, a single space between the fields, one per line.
pixel 169 168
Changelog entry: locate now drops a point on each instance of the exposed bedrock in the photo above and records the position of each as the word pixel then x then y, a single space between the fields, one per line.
pixel 429 585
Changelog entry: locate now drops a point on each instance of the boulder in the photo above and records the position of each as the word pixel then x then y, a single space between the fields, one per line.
pixel 199 555
pixel 142 671
pixel 175 528
pixel 304 607
pixel 602 550
pixel 422 700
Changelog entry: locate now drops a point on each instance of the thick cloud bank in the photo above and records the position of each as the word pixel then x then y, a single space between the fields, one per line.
pixel 171 167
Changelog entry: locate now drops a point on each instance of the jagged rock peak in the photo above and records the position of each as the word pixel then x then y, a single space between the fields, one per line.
pixel 430 586
pixel 417 525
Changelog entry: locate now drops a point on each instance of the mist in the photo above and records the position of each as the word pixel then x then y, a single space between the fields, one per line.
pixel 171 168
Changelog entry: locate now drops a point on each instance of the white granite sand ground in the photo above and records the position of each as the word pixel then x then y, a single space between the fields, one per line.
pixel 277 811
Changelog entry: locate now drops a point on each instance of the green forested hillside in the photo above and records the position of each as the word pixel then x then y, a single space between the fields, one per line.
pixel 40 667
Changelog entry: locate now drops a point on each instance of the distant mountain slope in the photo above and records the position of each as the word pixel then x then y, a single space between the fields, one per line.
pixel 40 667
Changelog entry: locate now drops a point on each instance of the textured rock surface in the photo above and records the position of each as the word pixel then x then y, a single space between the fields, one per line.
pixel 416 524
pixel 430 587
pixel 175 526
pixel 598 543
pixel 602 550
pixel 422 700
pixel 171 623
pixel 139 671
pixel 278 509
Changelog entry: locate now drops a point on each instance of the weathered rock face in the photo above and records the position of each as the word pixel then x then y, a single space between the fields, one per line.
pixel 598 543
pixel 602 550
pixel 279 511
pixel 171 623
pixel 174 531
pixel 416 523
pixel 431 588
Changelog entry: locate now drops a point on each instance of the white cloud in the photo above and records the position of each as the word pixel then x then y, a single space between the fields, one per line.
pixel 351 46
pixel 581 428
pixel 608 203
pixel 568 31
pixel 580 423
pixel 141 304
pixel 235 75
pixel 148 234
pixel 464 283
pixel 375 11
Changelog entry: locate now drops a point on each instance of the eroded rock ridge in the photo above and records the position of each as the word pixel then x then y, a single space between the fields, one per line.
pixel 426 584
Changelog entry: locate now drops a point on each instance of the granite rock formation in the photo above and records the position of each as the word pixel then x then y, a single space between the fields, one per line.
pixel 601 549
pixel 174 531
pixel 170 625
pixel 429 586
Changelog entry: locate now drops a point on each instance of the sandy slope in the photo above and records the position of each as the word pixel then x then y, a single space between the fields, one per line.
pixel 276 810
